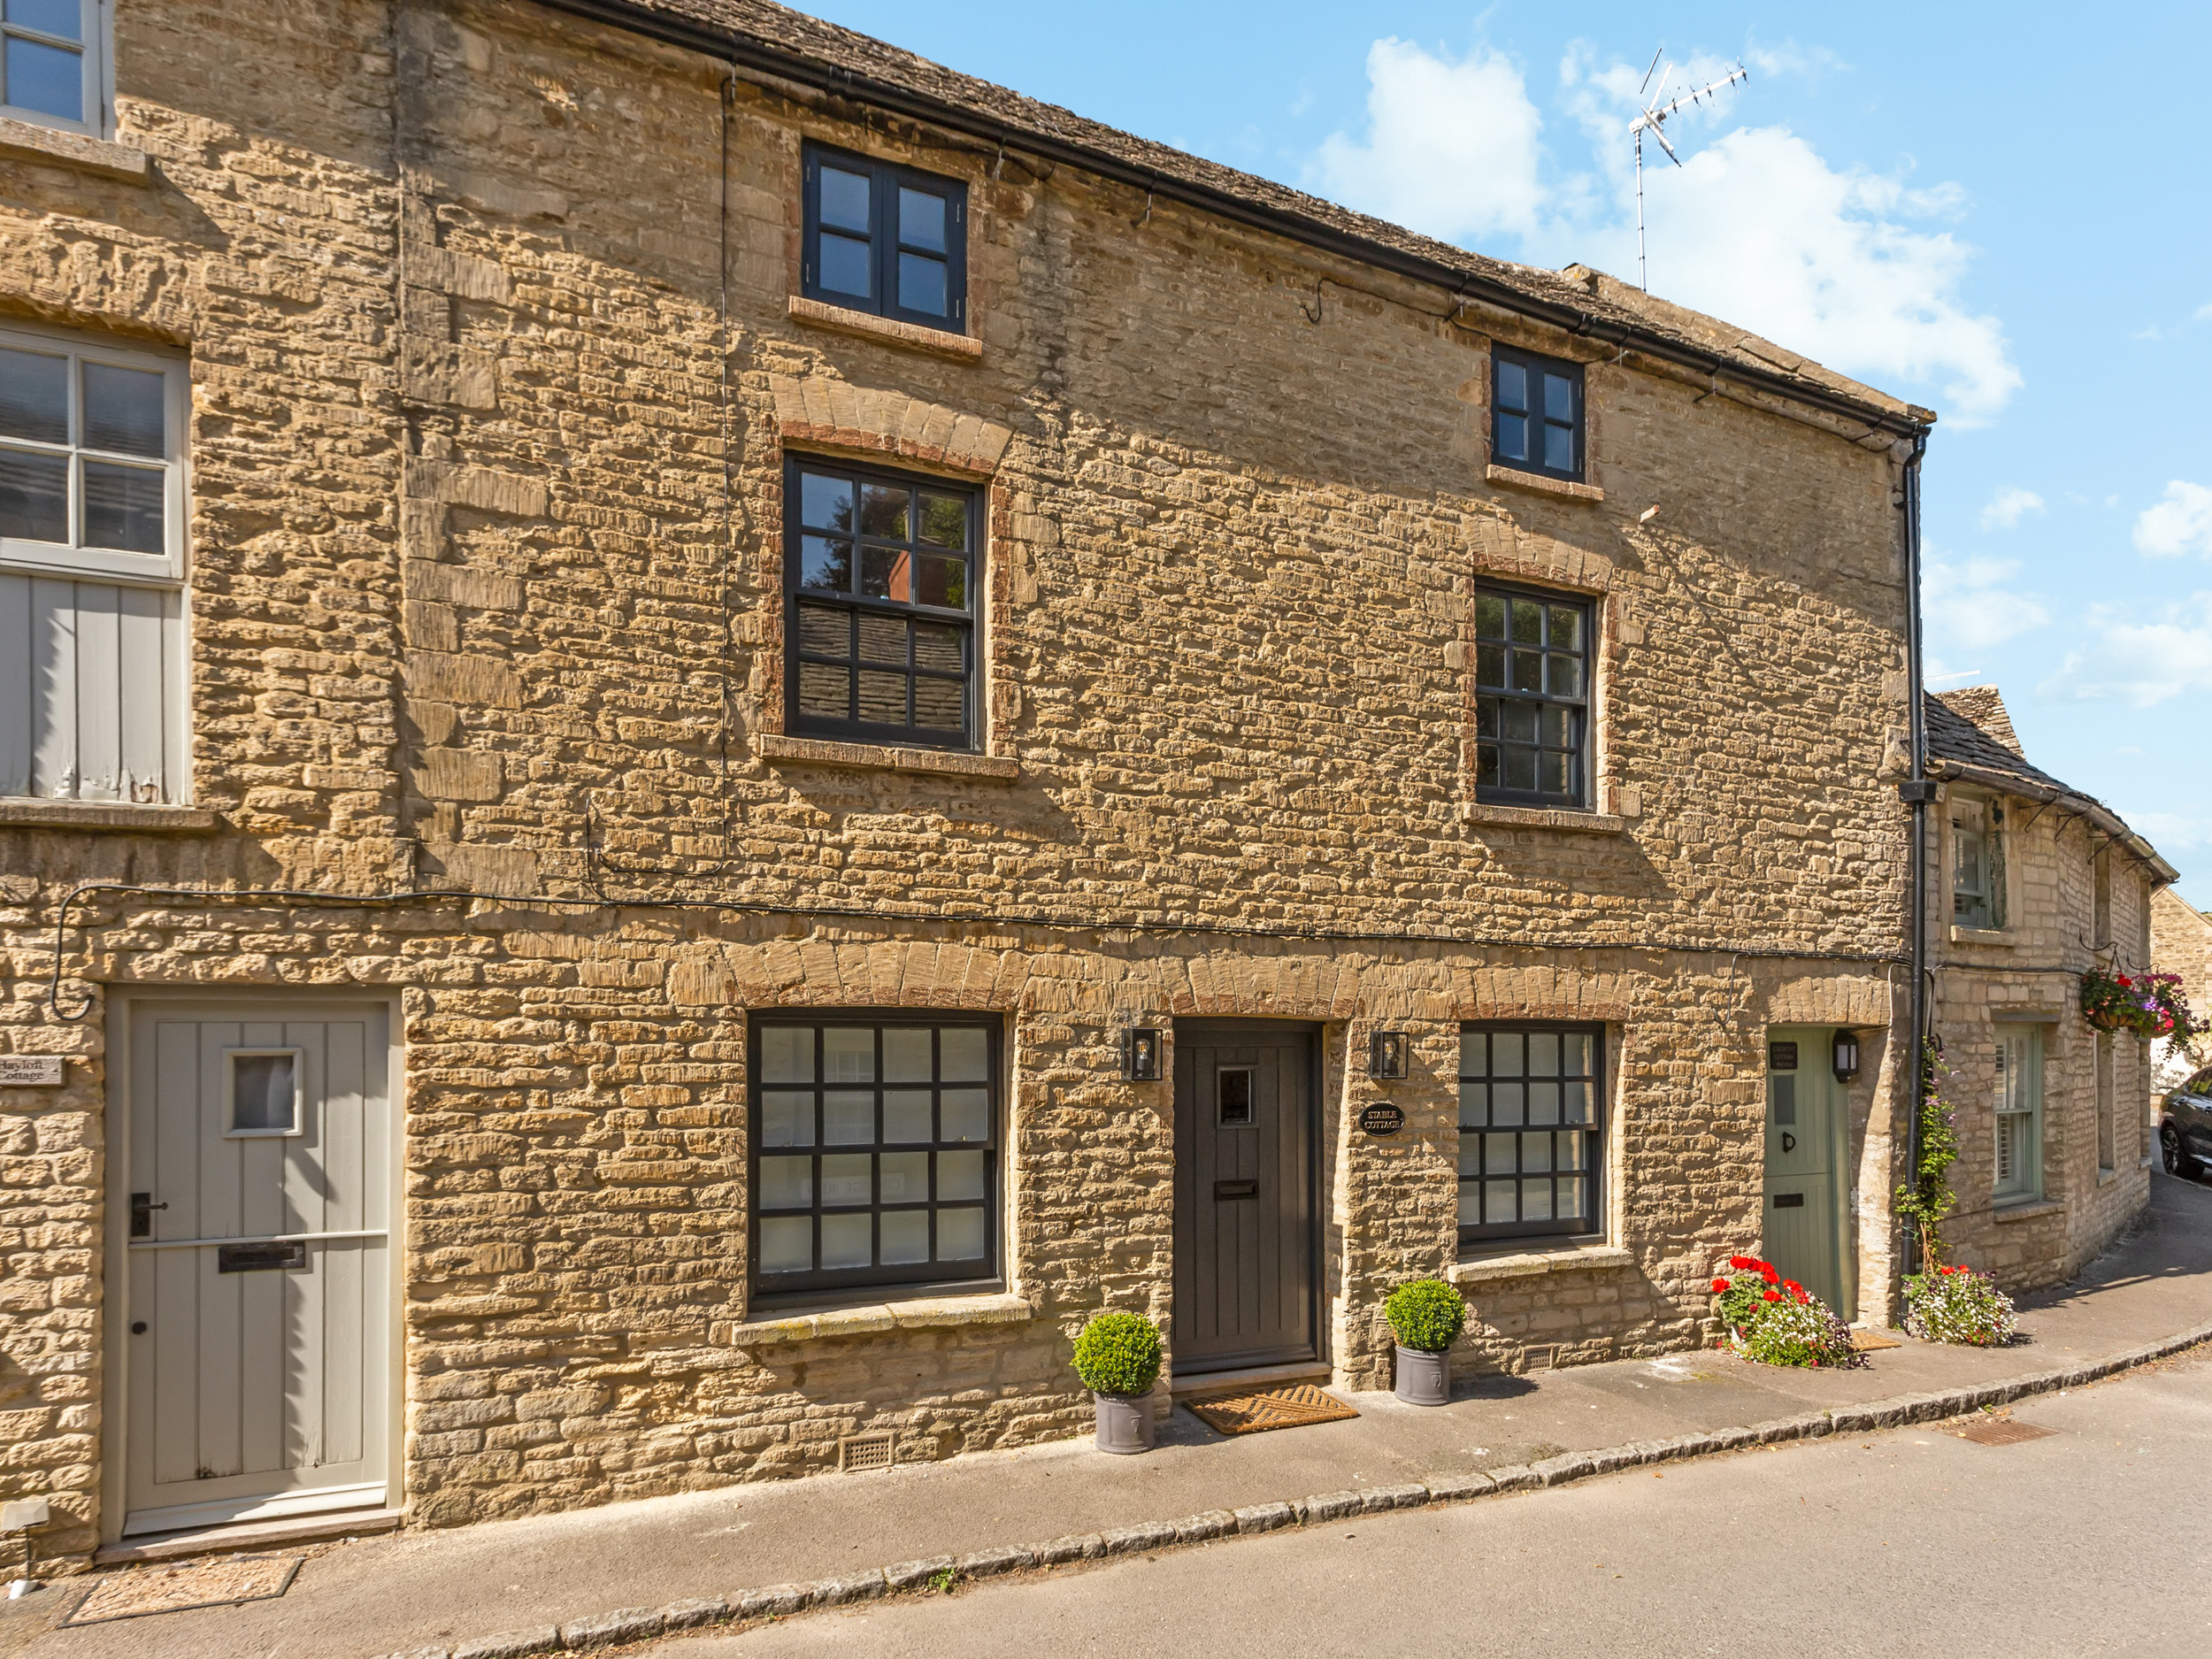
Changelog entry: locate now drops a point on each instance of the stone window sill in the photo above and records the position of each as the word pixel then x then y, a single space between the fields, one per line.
pixel 1983 936
pixel 1513 477
pixel 2027 1210
pixel 940 341
pixel 18 813
pixel 1542 817
pixel 26 141
pixel 1478 1270
pixel 946 763
pixel 927 1313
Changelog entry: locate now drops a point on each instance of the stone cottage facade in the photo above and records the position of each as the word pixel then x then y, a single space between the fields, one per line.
pixel 712 728
pixel 2038 883
pixel 2181 943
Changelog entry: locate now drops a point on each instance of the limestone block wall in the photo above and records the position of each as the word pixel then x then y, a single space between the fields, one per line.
pixel 2181 943
pixel 494 368
pixel 2031 975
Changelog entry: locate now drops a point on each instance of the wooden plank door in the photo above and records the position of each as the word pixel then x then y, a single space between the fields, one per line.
pixel 1804 1163
pixel 1246 1246
pixel 258 1194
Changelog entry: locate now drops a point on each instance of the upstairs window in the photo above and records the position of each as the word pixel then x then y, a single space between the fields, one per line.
pixel 879 595
pixel 91 567
pixel 886 239
pixel 1531 698
pixel 1536 414
pixel 1978 863
pixel 50 62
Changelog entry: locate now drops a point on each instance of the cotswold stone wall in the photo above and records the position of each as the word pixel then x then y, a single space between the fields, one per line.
pixel 2181 943
pixel 494 366
pixel 2030 976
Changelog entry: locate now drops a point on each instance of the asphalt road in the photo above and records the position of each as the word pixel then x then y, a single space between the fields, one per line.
pixel 2091 1541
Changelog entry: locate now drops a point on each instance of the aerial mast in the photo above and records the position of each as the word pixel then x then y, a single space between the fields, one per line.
pixel 1654 120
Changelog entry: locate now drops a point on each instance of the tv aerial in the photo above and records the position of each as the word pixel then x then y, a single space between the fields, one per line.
pixel 1654 120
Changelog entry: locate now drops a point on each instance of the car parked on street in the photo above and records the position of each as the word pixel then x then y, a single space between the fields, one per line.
pixel 2184 1126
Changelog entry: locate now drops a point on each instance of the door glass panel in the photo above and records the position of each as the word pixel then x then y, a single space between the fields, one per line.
pixel 263 1093
pixel 1235 1095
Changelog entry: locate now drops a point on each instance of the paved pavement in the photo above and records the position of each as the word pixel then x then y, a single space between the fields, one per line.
pixel 1902 1543
pixel 418 1590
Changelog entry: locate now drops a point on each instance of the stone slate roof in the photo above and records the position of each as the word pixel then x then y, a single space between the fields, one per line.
pixel 1969 726
pixel 759 32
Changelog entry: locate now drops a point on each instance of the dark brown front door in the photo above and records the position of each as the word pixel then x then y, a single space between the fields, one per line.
pixel 1244 1236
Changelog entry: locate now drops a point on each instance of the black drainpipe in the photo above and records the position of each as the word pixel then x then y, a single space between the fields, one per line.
pixel 1916 791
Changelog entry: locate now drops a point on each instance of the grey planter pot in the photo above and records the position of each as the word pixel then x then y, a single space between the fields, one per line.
pixel 1125 1422
pixel 1424 1379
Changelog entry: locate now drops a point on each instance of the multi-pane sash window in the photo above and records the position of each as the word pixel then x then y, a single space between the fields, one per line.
pixel 1531 698
pixel 886 239
pixel 875 1152
pixel 50 62
pixel 880 579
pixel 1536 414
pixel 91 457
pixel 1978 863
pixel 2107 1125
pixel 2019 1112
pixel 1531 1100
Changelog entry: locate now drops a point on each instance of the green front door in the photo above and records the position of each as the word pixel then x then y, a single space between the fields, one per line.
pixel 1805 1218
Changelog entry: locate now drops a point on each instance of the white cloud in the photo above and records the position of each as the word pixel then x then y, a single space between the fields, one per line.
pixel 1755 226
pixel 2180 524
pixel 2009 506
pixel 1967 604
pixel 2143 663
pixel 1451 147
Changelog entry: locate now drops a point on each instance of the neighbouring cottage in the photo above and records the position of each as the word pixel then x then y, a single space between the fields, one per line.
pixel 2181 944
pixel 703 729
pixel 2041 883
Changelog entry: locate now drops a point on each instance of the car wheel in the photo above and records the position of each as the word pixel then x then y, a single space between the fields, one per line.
pixel 2169 1149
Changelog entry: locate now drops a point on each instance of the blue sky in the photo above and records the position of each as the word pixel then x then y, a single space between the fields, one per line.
pixel 1997 212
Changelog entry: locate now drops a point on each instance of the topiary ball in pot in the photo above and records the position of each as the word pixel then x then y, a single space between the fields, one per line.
pixel 1118 1356
pixel 1426 1315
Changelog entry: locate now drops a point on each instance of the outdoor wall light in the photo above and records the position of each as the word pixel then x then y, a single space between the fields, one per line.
pixel 1140 1054
pixel 1847 1056
pixel 1387 1055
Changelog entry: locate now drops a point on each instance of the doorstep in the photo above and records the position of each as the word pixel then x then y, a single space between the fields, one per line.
pixel 1223 1382
pixel 205 1540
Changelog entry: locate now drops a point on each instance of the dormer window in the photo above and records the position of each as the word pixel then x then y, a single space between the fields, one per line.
pixel 1978 863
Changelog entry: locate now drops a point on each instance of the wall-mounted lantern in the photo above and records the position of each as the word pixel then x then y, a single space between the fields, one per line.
pixel 1140 1054
pixel 1847 1056
pixel 1387 1055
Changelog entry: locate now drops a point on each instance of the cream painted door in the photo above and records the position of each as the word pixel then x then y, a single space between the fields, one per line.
pixel 1805 1160
pixel 259 1316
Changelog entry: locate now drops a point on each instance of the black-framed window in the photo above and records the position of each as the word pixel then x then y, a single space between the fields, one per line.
pixel 1536 413
pixel 885 238
pixel 1531 698
pixel 881 575
pixel 875 1151
pixel 1531 1129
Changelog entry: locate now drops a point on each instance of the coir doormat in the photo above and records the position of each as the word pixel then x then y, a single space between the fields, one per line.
pixel 1290 1408
pixel 1869 1342
pixel 222 1583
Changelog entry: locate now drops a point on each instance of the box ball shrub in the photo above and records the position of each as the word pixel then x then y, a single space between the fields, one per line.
pixel 1119 1354
pixel 1426 1314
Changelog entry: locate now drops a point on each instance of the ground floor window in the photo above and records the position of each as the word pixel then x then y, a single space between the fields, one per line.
pixel 875 1146
pixel 2018 1100
pixel 2108 1128
pixel 1529 1129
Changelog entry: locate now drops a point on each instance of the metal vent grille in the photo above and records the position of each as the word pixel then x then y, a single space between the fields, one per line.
pixel 856 1452
pixel 1539 1358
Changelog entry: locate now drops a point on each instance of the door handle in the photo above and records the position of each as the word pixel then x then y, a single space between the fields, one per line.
pixel 1789 1141
pixel 142 1207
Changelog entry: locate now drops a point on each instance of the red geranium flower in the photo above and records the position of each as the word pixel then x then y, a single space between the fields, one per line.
pixel 1720 1287
pixel 2126 981
pixel 1771 1277
pixel 1742 1262
pixel 1792 1284
pixel 1770 1296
